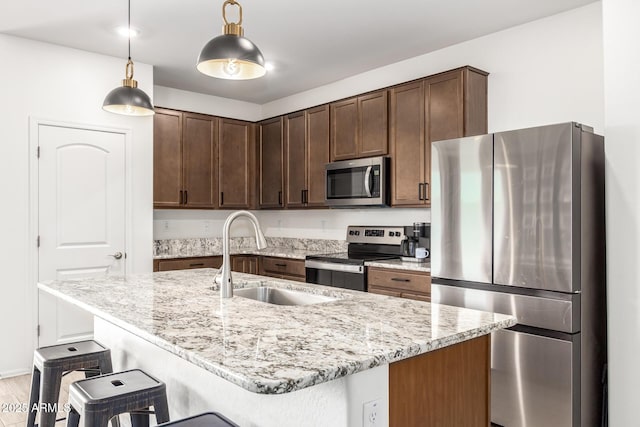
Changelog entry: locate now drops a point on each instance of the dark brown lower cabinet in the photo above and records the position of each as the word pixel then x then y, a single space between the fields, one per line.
pixel 187 263
pixel 244 264
pixel 399 283
pixel 283 268
pixel 449 387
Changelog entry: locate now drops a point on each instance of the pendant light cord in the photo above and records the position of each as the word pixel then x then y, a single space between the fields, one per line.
pixel 129 30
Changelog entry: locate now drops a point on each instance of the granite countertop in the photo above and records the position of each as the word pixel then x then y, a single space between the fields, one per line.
pixel 398 264
pixel 267 348
pixel 276 252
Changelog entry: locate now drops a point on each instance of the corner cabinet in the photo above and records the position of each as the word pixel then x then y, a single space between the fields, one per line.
pixel 359 126
pixel 306 141
pixel 444 106
pixel 270 154
pixel 236 164
pixel 184 158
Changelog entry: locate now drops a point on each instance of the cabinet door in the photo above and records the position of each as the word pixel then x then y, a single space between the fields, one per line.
pixel 407 144
pixel 244 264
pixel 344 129
pixel 199 140
pixel 444 115
pixel 317 154
pixel 235 160
pixel 296 171
pixel 271 169
pixel 372 120
pixel 167 158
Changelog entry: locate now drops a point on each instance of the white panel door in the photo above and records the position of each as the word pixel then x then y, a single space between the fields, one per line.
pixel 81 220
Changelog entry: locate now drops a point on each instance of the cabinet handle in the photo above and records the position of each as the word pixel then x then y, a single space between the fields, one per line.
pixel 185 197
pixel 181 198
pixel 420 187
pixel 279 198
pixel 197 264
pixel 399 279
pixel 280 265
pixel 305 196
pixel 221 198
pixel 426 191
pixel 302 196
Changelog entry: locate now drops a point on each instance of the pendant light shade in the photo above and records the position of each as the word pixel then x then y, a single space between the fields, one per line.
pixel 231 55
pixel 128 99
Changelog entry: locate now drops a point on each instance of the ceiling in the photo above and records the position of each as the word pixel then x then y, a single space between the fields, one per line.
pixel 310 42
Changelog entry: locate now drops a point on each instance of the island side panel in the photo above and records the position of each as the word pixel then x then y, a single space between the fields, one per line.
pixel 446 387
pixel 192 390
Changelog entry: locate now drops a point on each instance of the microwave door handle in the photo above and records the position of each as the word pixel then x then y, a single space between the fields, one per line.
pixel 367 179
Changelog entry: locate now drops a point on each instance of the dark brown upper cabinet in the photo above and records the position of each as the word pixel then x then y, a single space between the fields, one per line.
pixel 236 164
pixel 359 126
pixel 306 154
pixel 448 105
pixel 270 154
pixel 184 160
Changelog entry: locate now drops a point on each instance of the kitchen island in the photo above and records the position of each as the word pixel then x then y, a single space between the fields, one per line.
pixel 271 365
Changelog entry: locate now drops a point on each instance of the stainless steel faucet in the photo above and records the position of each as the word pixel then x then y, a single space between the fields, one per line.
pixel 224 277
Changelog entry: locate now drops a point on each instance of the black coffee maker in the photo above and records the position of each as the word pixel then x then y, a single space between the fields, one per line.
pixel 416 236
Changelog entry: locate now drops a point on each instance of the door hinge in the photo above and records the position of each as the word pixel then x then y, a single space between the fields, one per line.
pixel 38 151
pixel 38 241
pixel 38 330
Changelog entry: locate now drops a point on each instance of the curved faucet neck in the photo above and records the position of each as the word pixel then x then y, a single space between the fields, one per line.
pixel 226 281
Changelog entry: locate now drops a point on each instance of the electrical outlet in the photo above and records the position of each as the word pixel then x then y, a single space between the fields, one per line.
pixel 166 225
pixel 370 414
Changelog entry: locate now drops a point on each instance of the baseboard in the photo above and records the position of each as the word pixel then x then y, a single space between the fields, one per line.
pixel 14 373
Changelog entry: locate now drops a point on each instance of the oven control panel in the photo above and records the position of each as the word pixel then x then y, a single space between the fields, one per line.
pixel 382 235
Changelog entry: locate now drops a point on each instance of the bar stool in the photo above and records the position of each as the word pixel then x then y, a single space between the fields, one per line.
pixel 208 419
pixel 94 401
pixel 50 364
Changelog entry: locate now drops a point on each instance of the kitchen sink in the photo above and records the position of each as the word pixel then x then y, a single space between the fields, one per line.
pixel 281 296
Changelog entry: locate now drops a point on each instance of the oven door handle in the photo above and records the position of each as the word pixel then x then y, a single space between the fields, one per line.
pixel 367 179
pixel 332 266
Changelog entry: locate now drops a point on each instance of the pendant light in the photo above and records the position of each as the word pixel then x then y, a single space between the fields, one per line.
pixel 128 99
pixel 231 55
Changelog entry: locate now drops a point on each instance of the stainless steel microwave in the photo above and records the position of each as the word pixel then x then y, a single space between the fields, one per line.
pixel 360 182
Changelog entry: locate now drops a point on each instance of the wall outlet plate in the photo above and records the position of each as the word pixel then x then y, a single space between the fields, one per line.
pixel 370 414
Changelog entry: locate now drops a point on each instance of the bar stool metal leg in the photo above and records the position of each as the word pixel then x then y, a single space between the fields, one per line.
pixel 49 393
pixel 161 408
pixel 73 418
pixel 140 420
pixel 33 397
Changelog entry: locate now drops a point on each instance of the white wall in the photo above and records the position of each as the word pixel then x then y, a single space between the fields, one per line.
pixel 543 72
pixel 206 104
pixel 51 82
pixel 547 71
pixel 622 147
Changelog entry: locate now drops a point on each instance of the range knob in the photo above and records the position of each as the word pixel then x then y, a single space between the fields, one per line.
pixel 391 234
pixel 357 233
pixel 397 234
pixel 351 233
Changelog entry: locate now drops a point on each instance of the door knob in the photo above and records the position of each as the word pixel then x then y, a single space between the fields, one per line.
pixel 117 255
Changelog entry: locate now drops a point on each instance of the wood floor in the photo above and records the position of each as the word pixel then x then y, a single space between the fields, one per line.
pixel 14 393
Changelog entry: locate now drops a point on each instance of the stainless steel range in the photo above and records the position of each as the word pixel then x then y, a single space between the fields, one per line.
pixel 347 270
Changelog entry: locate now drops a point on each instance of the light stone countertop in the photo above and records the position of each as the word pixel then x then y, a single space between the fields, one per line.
pixel 398 264
pixel 267 348
pixel 275 252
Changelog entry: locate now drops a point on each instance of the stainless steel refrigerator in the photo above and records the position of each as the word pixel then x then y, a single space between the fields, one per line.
pixel 518 227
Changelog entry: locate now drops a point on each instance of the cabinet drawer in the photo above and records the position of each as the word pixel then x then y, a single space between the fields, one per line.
pixel 285 266
pixel 399 280
pixel 189 263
